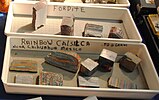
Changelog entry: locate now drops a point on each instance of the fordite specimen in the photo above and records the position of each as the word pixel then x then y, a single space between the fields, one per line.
pixel 88 82
pixel 39 14
pixel 129 62
pixel 23 66
pixel 88 67
pixel 116 32
pixel 114 82
pixel 67 25
pixel 88 1
pixel 93 30
pixel 106 60
pixel 66 60
pixel 50 78
pixel 100 1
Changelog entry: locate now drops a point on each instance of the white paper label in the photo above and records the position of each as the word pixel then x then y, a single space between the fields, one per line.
pixel 38 98
pixel 91 98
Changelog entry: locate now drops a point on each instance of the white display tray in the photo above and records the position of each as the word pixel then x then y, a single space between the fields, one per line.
pixel 19 20
pixel 36 48
pixel 120 3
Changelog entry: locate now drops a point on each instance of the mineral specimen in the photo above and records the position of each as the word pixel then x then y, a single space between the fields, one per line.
pixel 66 60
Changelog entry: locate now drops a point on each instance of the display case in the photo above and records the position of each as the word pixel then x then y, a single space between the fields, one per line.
pixel 36 48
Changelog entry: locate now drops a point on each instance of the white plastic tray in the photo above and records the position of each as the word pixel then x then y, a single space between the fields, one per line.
pixel 36 48
pixel 120 3
pixel 19 20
